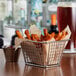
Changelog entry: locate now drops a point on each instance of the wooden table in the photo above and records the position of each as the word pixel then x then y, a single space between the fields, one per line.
pixel 67 68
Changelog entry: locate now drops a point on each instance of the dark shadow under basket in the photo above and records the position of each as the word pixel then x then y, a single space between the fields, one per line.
pixel 11 55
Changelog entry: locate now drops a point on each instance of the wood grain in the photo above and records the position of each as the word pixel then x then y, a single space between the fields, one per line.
pixel 67 67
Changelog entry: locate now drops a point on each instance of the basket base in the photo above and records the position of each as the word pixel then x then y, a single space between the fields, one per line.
pixel 43 66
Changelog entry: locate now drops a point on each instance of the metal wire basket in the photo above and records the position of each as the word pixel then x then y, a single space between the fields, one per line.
pixel 43 54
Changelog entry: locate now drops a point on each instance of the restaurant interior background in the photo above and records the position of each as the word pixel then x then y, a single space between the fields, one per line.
pixel 16 14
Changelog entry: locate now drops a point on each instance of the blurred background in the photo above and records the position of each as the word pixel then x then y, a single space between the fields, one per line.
pixel 17 14
pixel 14 12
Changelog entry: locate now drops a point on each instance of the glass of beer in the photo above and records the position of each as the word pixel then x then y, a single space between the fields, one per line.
pixel 66 15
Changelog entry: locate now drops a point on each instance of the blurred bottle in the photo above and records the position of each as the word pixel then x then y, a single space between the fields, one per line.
pixel 53 26
pixel 22 11
pixel 1 42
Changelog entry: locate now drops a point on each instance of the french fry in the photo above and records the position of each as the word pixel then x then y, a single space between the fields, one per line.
pixel 48 37
pixel 35 37
pixel 42 37
pixel 66 33
pixel 19 34
pixel 63 35
pixel 57 36
pixel 45 32
pixel 52 34
pixel 27 34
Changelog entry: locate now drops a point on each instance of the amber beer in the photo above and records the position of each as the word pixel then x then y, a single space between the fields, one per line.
pixel 66 15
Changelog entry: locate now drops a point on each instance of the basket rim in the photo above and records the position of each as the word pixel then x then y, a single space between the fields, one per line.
pixel 46 41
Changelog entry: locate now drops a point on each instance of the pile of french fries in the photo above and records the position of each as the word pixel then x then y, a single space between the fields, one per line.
pixel 37 36
pixel 45 37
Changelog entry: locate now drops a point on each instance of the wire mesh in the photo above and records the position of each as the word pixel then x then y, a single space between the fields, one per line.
pixel 44 53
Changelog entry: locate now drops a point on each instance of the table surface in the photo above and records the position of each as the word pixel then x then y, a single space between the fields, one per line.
pixel 67 67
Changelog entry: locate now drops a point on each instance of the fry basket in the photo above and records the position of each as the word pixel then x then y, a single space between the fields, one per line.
pixel 11 55
pixel 43 54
